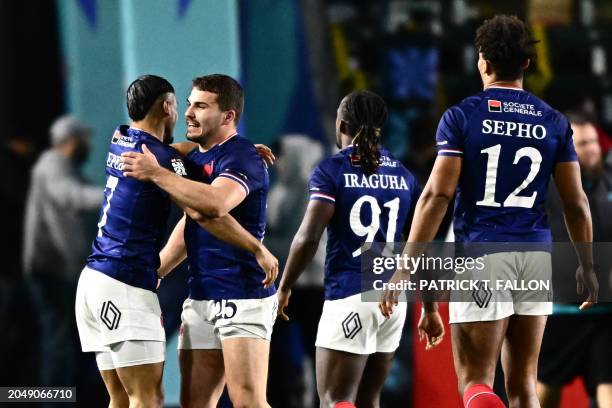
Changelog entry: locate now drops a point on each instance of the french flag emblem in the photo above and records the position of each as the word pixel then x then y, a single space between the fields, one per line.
pixel 207 169
pixel 494 106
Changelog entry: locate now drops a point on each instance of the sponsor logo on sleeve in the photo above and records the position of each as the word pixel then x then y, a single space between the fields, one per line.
pixel 179 167
pixel 494 106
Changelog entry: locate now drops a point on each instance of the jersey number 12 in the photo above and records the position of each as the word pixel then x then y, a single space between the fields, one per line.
pixel 513 200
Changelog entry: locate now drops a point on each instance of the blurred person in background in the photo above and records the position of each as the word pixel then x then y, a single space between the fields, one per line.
pixel 292 351
pixel 579 345
pixel 55 245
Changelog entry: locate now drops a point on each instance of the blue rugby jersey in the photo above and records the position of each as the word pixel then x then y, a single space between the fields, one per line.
pixel 510 142
pixel 219 270
pixel 134 213
pixel 373 208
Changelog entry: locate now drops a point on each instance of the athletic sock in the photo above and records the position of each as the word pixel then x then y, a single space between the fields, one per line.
pixel 344 404
pixel 481 396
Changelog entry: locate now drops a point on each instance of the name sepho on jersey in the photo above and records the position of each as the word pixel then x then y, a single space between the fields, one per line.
pixel 510 142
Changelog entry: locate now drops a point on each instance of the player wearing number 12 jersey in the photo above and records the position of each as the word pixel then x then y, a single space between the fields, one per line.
pixel 498 150
pixel 362 194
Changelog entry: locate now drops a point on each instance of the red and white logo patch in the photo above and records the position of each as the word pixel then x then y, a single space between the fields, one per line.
pixel 207 169
pixel 494 106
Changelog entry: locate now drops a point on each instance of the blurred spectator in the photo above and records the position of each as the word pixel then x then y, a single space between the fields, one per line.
pixel 292 351
pixel 577 343
pixel 55 245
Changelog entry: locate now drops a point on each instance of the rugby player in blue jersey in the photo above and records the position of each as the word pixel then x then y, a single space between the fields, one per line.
pixel 361 194
pixel 117 310
pixel 228 317
pixel 497 150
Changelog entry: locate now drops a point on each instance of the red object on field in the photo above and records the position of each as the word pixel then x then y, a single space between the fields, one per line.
pixel 481 396
pixel 574 395
pixel 344 404
pixel 435 383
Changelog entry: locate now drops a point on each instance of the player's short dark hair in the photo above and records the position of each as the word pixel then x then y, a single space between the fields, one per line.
pixel 142 94
pixel 506 42
pixel 365 113
pixel 230 95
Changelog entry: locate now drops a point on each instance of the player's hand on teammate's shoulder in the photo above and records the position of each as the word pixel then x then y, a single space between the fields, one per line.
pixel 586 277
pixel 283 296
pixel 141 166
pixel 268 263
pixel 266 153
pixel 431 328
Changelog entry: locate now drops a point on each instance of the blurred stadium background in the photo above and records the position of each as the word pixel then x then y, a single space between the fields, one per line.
pixel 295 59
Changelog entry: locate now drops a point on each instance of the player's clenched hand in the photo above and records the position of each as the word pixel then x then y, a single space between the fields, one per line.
pixel 266 153
pixel 283 296
pixel 431 328
pixel 141 166
pixel 586 278
pixel 269 264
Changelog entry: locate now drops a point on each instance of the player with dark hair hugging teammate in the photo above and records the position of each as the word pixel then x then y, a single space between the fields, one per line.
pixel 117 311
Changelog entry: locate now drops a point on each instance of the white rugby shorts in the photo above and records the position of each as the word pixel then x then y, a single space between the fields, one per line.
pixel 206 323
pixel 358 327
pixel 514 269
pixel 109 311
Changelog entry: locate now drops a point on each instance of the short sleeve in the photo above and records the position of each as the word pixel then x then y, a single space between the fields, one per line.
pixel 566 151
pixel 168 157
pixel 449 136
pixel 242 165
pixel 322 184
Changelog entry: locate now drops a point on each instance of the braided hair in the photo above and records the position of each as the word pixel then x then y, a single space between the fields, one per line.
pixel 365 113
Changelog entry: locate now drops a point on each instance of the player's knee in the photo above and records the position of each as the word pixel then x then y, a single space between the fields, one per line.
pixel 247 397
pixel 147 398
pixel 520 386
pixel 119 401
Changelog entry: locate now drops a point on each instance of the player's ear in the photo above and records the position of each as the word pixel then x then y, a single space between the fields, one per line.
pixel 166 106
pixel 230 116
pixel 343 127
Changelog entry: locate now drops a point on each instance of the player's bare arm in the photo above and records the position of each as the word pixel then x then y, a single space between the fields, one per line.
pixel 226 229
pixel 229 230
pixel 174 252
pixel 430 210
pixel 214 200
pixel 579 226
pixel 303 248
